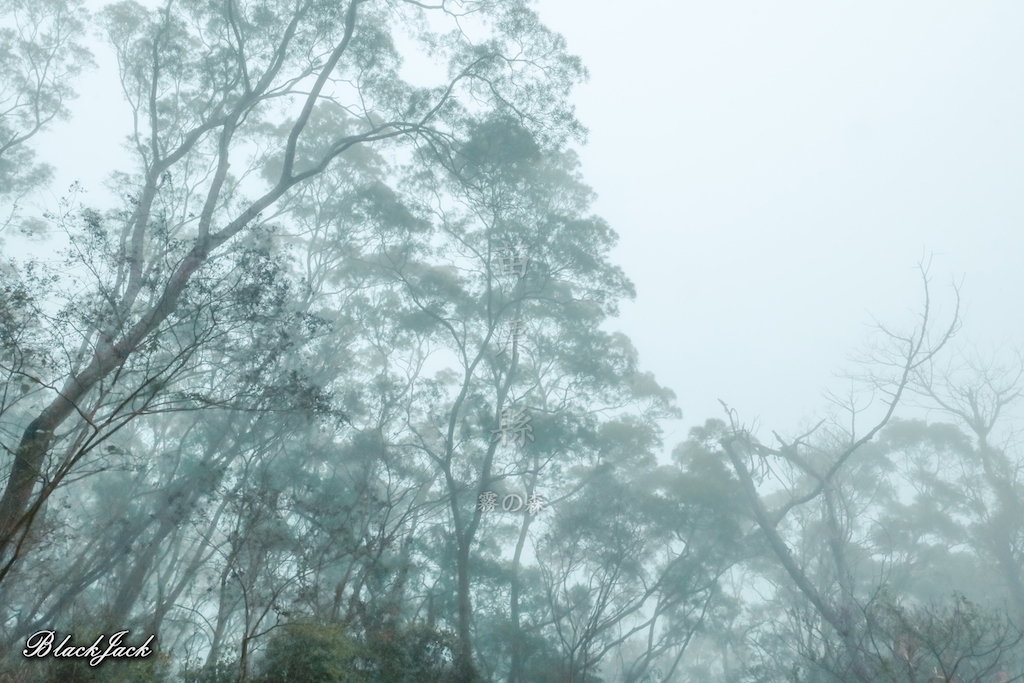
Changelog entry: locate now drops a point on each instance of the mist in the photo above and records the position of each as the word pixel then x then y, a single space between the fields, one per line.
pixel 523 342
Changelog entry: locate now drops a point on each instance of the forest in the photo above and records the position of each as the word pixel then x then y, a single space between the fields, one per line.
pixel 333 394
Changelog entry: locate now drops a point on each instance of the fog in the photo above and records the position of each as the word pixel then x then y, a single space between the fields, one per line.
pixel 685 349
pixel 777 171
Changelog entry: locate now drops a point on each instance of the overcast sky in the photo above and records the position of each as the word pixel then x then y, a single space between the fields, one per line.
pixel 775 171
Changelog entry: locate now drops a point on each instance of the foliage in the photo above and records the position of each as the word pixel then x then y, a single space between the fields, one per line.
pixel 253 408
pixel 308 652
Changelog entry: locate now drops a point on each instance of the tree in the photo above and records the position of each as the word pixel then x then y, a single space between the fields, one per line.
pixel 41 54
pixel 206 83
pixel 517 340
pixel 820 468
pixel 307 652
pixel 954 642
pixel 306 435
pixel 977 393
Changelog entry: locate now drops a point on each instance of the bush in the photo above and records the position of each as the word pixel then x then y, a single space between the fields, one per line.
pixel 413 654
pixel 310 653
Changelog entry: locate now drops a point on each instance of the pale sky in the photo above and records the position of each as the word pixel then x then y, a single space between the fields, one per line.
pixel 777 169
pixel 775 172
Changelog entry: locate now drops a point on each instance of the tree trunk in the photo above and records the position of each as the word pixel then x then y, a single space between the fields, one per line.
pixel 515 674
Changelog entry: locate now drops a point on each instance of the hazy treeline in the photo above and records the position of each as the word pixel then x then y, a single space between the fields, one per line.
pixel 330 394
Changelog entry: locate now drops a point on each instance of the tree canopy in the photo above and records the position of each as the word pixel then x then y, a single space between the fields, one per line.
pixel 332 393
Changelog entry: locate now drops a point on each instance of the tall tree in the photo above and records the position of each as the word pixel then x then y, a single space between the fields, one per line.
pixel 204 81
pixel 42 52
pixel 509 292
pixel 800 496
pixel 978 394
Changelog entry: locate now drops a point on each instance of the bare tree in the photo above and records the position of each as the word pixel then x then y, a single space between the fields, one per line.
pixel 810 468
